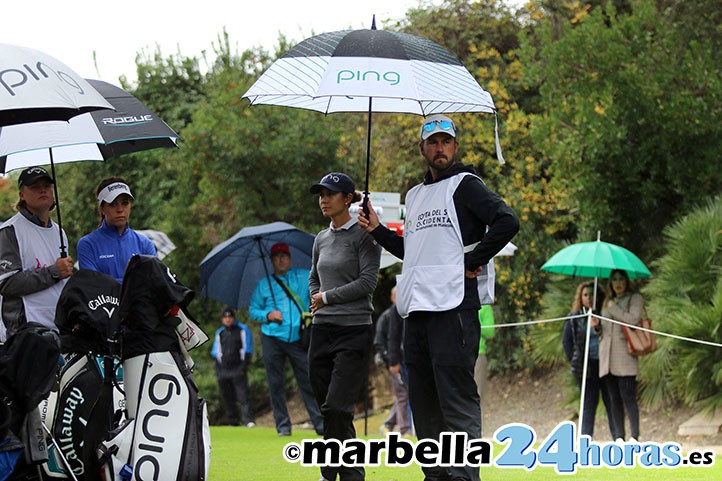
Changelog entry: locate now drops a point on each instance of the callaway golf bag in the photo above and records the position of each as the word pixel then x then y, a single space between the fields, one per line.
pixel 80 414
pixel 28 370
pixel 166 434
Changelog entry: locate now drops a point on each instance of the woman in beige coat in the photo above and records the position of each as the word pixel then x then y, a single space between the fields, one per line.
pixel 617 368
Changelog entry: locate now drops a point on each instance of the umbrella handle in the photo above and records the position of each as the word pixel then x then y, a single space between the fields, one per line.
pixel 63 249
pixel 365 204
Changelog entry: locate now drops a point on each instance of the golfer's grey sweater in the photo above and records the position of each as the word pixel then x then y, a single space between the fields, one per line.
pixel 345 267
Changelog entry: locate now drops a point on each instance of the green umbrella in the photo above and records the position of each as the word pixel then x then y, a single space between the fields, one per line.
pixel 595 259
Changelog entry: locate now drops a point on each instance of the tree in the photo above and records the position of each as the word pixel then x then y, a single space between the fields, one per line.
pixel 686 295
pixel 631 117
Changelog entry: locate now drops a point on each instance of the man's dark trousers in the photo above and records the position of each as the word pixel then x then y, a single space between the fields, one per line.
pixel 440 350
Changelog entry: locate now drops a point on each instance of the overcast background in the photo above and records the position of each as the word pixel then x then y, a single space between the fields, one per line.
pixel 116 31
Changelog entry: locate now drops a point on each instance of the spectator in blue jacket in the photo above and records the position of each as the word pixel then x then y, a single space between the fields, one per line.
pixel 108 248
pixel 278 303
pixel 233 350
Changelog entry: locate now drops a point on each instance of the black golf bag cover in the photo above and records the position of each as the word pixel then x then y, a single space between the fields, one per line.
pixel 28 370
pixel 80 414
pixel 166 435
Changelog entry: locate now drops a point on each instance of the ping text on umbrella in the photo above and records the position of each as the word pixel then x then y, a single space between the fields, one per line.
pixel 20 78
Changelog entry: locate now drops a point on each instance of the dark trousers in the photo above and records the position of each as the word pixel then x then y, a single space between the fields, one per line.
pixel 275 352
pixel 338 362
pixel 623 394
pixel 234 392
pixel 594 388
pixel 440 351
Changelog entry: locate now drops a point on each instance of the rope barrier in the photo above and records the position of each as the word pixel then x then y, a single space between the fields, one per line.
pixel 660 333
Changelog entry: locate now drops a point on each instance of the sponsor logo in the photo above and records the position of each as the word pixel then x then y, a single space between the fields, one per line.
pixel 13 78
pixel 101 301
pixel 65 440
pixel 392 78
pixel 127 120
pixel 153 444
pixel 113 187
pixel 171 275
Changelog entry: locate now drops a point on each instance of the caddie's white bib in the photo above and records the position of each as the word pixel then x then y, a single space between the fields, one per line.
pixel 432 276
pixel 39 247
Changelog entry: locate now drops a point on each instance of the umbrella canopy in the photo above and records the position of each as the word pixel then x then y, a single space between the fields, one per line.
pixel 128 127
pixel 35 87
pixel 371 71
pixel 230 272
pixel 595 259
pixel 96 136
pixel 340 72
pixel 163 244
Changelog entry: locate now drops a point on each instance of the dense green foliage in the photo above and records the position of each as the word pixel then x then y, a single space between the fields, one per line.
pixel 687 295
pixel 609 121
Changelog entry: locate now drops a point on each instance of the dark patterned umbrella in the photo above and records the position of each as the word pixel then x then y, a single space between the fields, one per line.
pixel 95 136
pixel 371 71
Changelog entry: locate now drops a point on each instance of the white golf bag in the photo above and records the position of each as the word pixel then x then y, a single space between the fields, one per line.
pixel 166 434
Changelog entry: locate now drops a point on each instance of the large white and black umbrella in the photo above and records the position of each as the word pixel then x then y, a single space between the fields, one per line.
pixel 36 87
pixel 95 136
pixel 371 71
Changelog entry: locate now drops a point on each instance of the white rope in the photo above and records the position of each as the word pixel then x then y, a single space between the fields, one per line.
pixel 674 336
pixel 526 323
pixel 543 321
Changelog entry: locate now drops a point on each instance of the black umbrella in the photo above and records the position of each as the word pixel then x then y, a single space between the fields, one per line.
pixel 94 136
pixel 371 71
pixel 35 87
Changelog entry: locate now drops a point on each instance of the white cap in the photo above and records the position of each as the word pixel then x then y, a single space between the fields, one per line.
pixel 110 192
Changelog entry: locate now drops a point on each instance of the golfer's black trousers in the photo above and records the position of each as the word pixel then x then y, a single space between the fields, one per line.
pixel 338 361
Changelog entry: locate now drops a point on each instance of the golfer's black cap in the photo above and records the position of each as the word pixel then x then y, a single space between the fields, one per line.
pixel 228 312
pixel 335 182
pixel 32 174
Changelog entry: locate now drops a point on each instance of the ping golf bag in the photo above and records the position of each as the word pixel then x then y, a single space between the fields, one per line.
pixel 166 435
pixel 28 370
pixel 80 414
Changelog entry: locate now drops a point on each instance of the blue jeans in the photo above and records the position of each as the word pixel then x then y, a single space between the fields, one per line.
pixel 594 388
pixel 275 352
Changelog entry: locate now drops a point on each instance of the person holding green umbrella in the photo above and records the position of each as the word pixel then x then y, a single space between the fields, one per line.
pixel 618 369
pixel 605 260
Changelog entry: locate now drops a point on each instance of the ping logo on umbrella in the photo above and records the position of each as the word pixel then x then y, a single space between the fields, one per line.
pixel 128 120
pixel 12 78
pixel 392 78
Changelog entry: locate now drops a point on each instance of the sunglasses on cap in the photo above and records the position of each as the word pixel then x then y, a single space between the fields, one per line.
pixel 443 124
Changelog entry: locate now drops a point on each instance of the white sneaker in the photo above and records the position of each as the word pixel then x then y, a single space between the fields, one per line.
pixel 251 425
pixel 619 441
pixel 632 440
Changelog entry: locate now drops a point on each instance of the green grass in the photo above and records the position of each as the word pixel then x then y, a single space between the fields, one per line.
pixel 242 454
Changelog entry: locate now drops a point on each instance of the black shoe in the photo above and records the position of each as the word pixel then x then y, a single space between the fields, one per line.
pixel 284 433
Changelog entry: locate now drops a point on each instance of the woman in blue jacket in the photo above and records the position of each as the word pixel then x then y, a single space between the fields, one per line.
pixel 108 248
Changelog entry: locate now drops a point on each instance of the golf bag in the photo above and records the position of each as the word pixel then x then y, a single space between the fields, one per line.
pixel 166 433
pixel 28 370
pixel 80 414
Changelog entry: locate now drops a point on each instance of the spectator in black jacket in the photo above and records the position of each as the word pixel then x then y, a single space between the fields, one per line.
pixel 230 348
pixel 573 340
